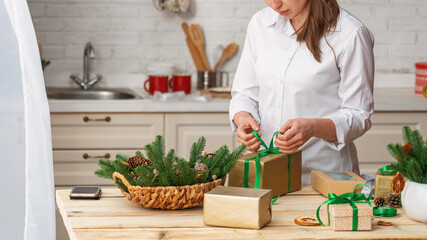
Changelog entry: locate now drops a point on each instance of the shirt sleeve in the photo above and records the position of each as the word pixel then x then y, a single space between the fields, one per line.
pixel 356 89
pixel 245 89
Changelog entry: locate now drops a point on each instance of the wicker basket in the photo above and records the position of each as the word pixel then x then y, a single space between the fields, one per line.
pixel 172 198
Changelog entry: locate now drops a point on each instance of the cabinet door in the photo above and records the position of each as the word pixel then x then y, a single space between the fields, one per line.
pixel 181 130
pixel 105 130
pixel 77 167
pixel 386 128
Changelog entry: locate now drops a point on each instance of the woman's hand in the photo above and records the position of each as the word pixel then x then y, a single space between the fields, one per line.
pixel 296 133
pixel 245 125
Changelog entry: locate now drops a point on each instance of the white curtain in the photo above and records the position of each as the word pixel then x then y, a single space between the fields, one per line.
pixel 27 203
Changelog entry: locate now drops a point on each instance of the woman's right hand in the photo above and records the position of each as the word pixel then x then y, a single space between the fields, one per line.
pixel 245 124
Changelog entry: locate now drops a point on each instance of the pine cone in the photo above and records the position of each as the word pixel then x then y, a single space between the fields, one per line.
pixel 135 161
pixel 379 201
pixel 394 201
pixel 201 167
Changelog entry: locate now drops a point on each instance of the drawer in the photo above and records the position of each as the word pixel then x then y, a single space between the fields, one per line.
pixel 71 168
pixel 105 131
pixel 89 155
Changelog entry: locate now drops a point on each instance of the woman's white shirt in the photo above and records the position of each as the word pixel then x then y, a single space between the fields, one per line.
pixel 278 79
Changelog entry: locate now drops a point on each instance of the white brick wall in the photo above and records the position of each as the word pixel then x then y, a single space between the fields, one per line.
pixel 129 34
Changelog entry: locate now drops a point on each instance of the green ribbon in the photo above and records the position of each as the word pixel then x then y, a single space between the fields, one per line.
pixel 385 211
pixel 388 170
pixel 350 198
pixel 263 153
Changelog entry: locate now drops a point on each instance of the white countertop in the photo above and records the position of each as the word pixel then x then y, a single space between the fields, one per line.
pixel 385 100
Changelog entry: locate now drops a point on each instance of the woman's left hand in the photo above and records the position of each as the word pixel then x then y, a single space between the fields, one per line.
pixel 296 133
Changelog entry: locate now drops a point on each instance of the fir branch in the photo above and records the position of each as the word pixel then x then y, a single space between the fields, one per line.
pixel 221 153
pixel 406 134
pixel 121 185
pixel 411 164
pixel 122 157
pixel 231 160
pixel 196 151
pixel 139 153
pixel 417 143
pixel 186 175
pixel 106 169
pixel 144 175
pixel 156 153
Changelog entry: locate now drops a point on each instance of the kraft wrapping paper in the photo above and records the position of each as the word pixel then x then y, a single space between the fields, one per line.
pixel 237 207
pixel 274 172
pixel 382 185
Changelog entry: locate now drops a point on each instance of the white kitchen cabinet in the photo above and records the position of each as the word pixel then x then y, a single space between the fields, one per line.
pixel 386 128
pixel 183 129
pixel 80 139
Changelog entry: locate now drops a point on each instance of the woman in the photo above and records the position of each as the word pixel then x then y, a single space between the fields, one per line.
pixel 307 69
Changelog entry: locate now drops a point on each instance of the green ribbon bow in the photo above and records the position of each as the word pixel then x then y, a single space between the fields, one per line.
pixel 261 154
pixel 350 198
pixel 388 170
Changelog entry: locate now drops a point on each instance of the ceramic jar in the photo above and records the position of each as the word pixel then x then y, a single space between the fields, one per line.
pixel 414 200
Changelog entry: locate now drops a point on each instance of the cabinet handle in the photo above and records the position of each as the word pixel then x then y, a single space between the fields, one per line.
pixel 87 156
pixel 88 119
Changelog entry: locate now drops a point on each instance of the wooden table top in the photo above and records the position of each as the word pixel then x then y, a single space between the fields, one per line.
pixel 115 217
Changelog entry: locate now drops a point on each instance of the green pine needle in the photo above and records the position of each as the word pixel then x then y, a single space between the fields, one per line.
pixel 168 169
pixel 413 163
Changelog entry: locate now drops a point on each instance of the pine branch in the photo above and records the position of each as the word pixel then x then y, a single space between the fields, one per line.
pixel 417 143
pixel 406 134
pixel 139 153
pixel 106 169
pixel 156 153
pixel 196 151
pixel 122 157
pixel 396 150
pixel 231 160
pixel 221 153
pixel 186 175
pixel 144 175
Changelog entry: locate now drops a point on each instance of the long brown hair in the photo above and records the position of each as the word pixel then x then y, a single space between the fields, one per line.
pixel 323 17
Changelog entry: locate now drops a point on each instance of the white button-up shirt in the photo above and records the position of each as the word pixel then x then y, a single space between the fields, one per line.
pixel 278 79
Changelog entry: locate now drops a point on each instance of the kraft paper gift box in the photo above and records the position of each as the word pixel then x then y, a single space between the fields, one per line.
pixel 382 184
pixel 341 217
pixel 237 207
pixel 337 182
pixel 274 172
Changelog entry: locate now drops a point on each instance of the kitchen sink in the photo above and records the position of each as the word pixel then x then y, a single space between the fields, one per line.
pixel 91 94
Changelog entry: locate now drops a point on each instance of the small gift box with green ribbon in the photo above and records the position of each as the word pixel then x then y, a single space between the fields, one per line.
pixel 383 179
pixel 347 212
pixel 268 169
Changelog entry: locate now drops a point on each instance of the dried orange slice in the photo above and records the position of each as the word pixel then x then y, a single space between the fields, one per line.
pixel 407 148
pixel 307 221
pixel 208 154
pixel 384 223
pixel 397 183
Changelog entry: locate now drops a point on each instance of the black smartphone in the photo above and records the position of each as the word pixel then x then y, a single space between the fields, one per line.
pixel 85 192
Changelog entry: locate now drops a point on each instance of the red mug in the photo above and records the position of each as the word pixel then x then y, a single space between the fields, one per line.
pixel 157 83
pixel 180 83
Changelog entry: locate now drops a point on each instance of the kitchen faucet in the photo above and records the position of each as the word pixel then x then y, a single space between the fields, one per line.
pixel 86 82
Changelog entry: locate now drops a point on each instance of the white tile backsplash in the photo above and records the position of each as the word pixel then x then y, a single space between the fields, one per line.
pixel 129 34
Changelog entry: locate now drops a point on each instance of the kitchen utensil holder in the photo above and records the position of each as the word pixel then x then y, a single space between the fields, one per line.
pixel 209 79
pixel 171 197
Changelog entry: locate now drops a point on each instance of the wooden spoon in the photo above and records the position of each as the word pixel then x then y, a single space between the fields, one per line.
pixel 198 39
pixel 228 52
pixel 193 49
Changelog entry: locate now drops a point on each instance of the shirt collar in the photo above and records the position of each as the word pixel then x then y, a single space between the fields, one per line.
pixel 275 18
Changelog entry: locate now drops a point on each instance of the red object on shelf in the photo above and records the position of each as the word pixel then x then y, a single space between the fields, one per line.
pixel 420 76
pixel 156 83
